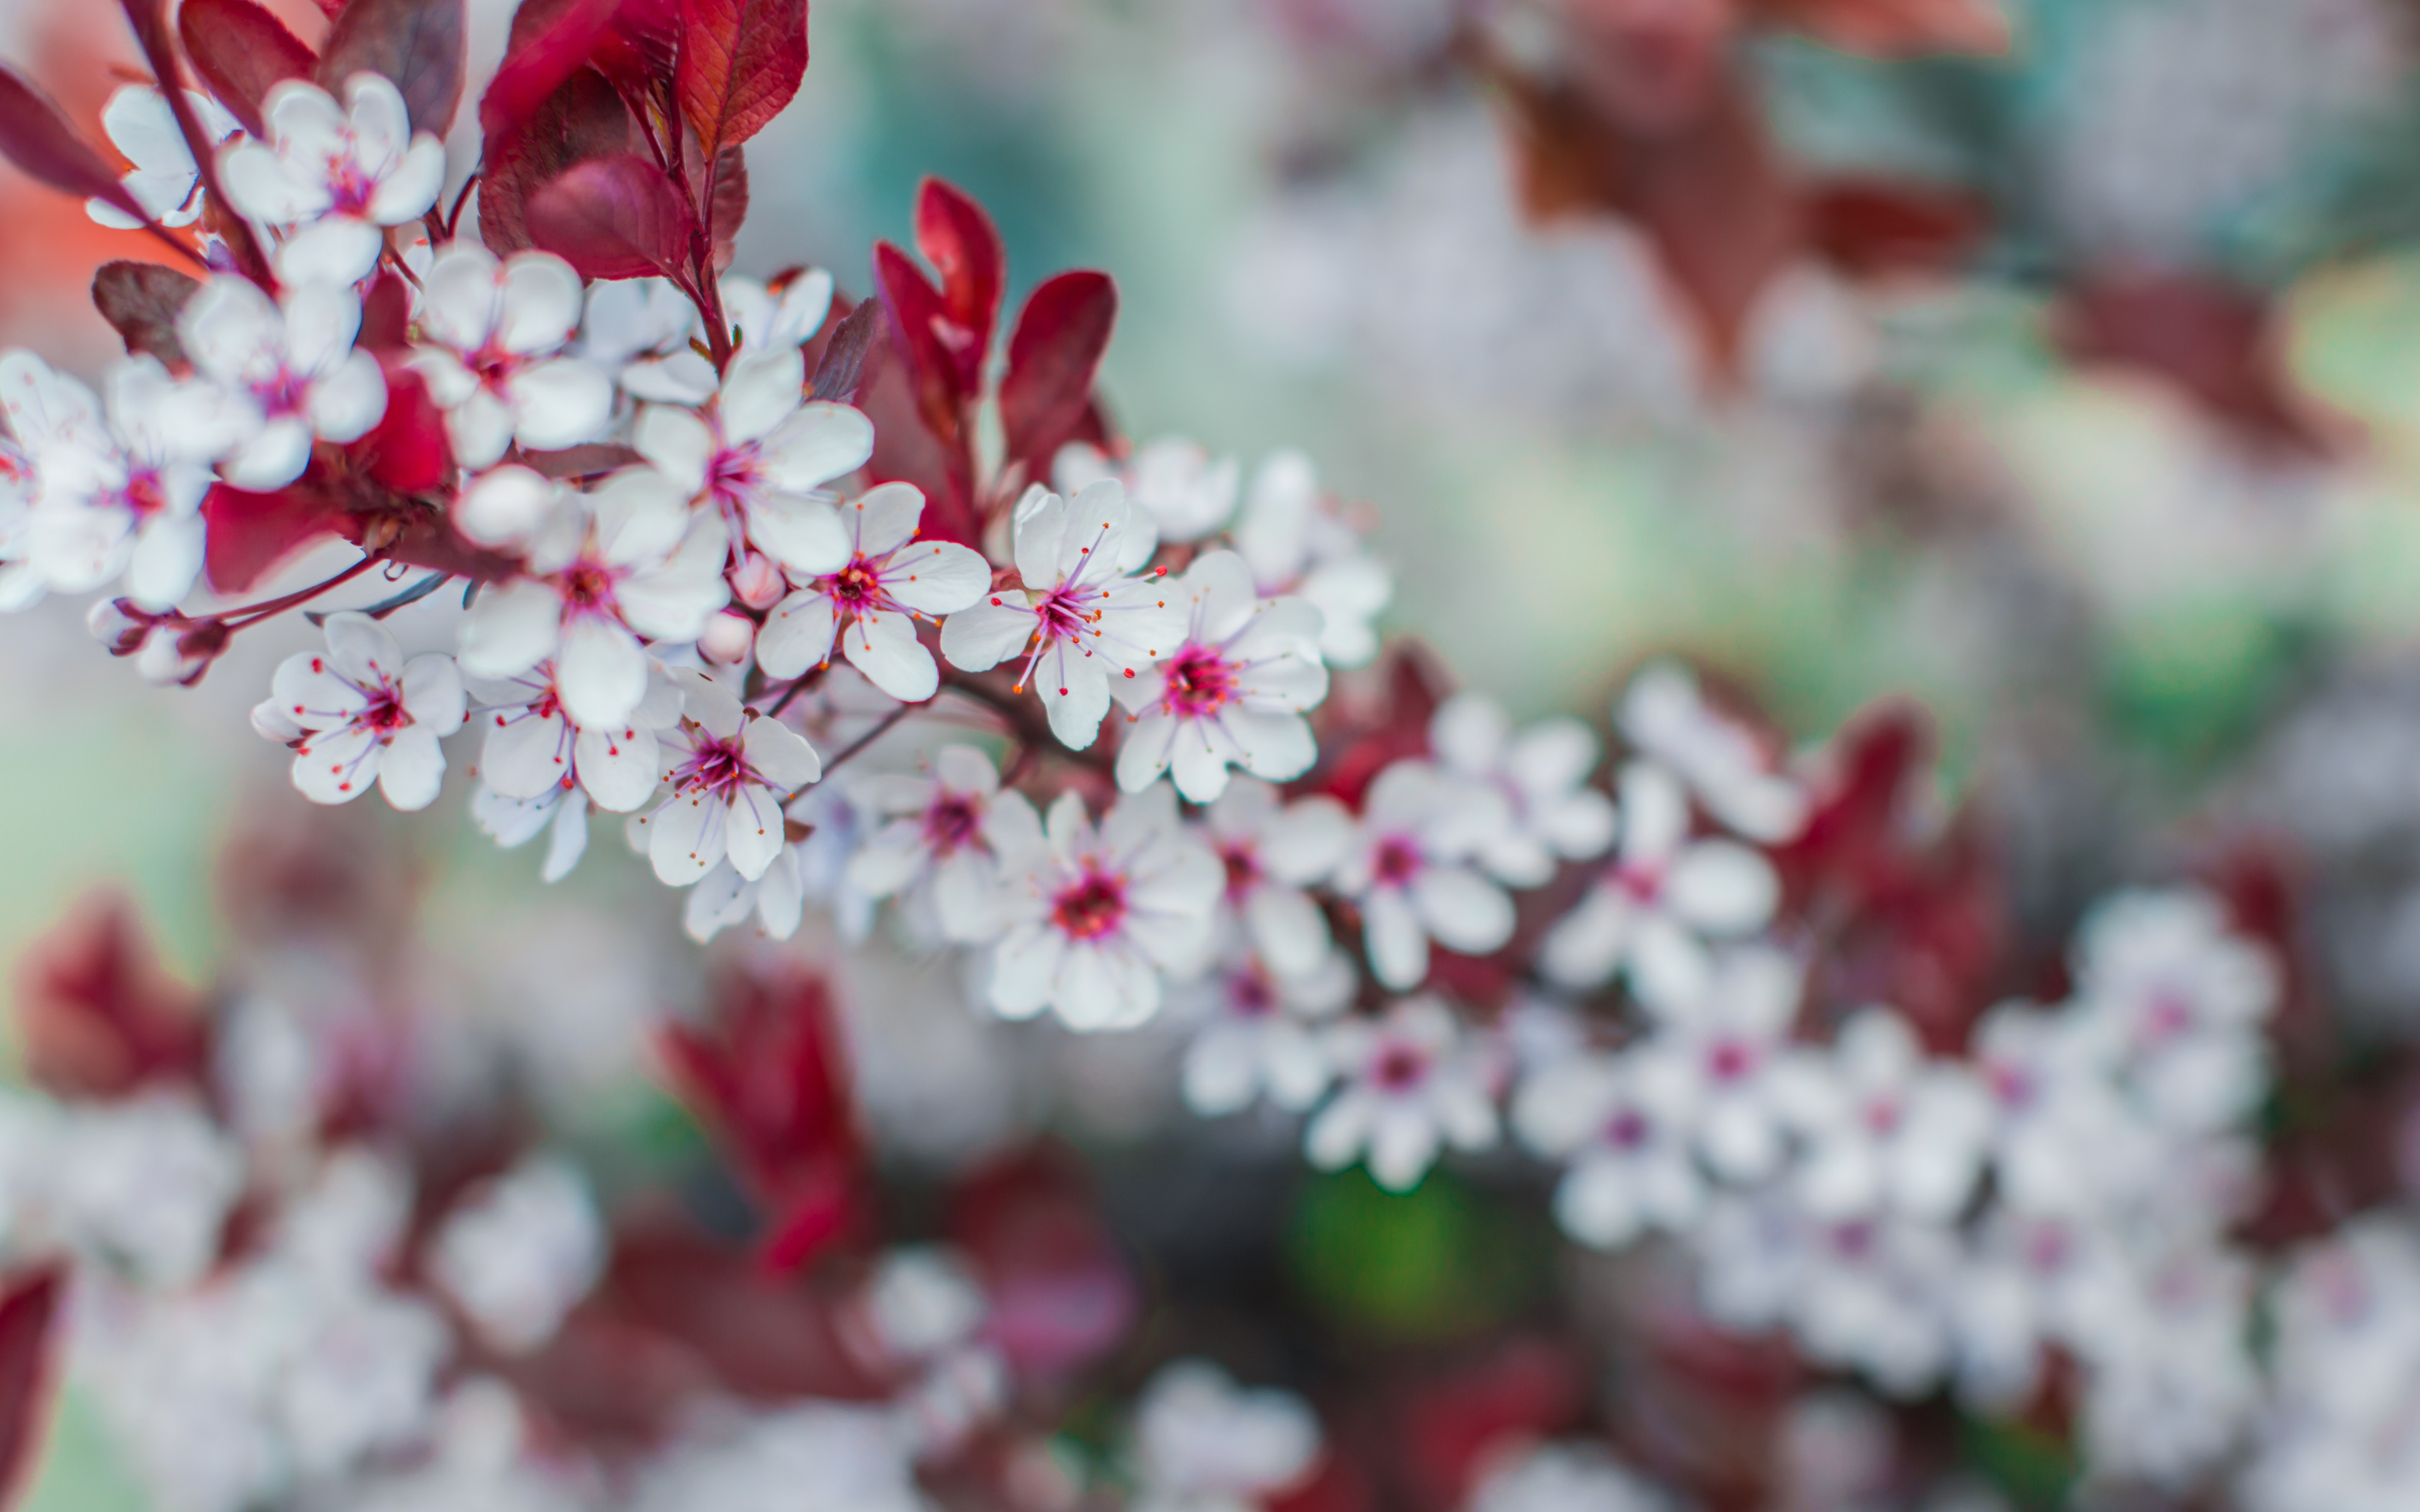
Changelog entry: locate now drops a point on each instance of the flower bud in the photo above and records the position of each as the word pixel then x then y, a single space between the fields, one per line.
pixel 727 638
pixel 506 507
pixel 116 623
pixel 757 582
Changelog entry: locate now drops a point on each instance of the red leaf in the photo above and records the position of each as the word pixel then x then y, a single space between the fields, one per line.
pixel 642 49
pixel 852 345
pixel 1870 226
pixel 617 217
pixel 36 138
pixel 1052 357
pixel 2216 342
pixel 740 62
pixel 1061 1290
pixel 583 120
pixel 907 451
pixel 551 40
pixel 962 244
pixel 27 1370
pixel 240 51
pixel 407 451
pixel 386 316
pixel 141 301
pixel 417 43
pixel 1897 28
pixel 98 1016
pixel 249 533
pixel 916 318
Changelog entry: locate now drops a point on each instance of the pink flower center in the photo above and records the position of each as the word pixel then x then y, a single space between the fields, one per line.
pixel 588 587
pixel 1626 1129
pixel 284 394
pixel 1883 1115
pixel 1093 905
pixel 1854 1241
pixel 383 712
pixel 1397 860
pixel 716 767
pixel 1730 1060
pixel 1200 682
pixel 350 188
pixel 1243 868
pixel 736 476
pixel 858 588
pixel 1249 994
pixel 1398 1067
pixel 2168 1014
pixel 1639 882
pixel 2010 1084
pixel 951 824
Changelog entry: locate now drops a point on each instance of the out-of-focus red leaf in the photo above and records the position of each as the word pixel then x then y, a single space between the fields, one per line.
pixel 1868 226
pixel 141 301
pixel 845 354
pixel 1896 28
pixel 551 40
pixel 958 238
pixel 97 1015
pixel 641 50
pixel 769 1078
pixel 407 450
pixel 249 534
pixel 36 138
pixel 1061 1293
pixel 617 217
pixel 417 43
pixel 907 451
pixel 241 51
pixel 1451 1425
pixel 727 204
pixel 1373 721
pixel 386 315
pixel 2212 340
pixel 1053 355
pixel 917 316
pixel 583 120
pixel 741 61
pixel 28 1365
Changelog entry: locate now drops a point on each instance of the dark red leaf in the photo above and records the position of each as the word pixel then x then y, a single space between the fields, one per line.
pixel 417 43
pixel 97 1016
pixel 241 51
pixel 1868 226
pixel 551 40
pixel 844 355
pixel 1896 28
pixel 907 451
pixel 583 120
pixel 916 318
pixel 249 533
pixel 141 301
pixel 729 205
pixel 588 461
pixel 964 247
pixel 641 48
pixel 617 217
pixel 740 62
pixel 386 315
pixel 36 138
pixel 2215 341
pixel 1061 1293
pixel 1052 357
pixel 407 450
pixel 28 1362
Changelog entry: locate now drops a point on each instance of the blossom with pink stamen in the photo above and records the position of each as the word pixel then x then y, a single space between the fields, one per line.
pixel 730 769
pixel 1262 1035
pixel 1232 694
pixel 279 375
pixel 1081 616
pixel 532 744
pixel 1411 1086
pixel 1410 871
pixel 1620 1123
pixel 493 352
pixel 335 178
pixel 871 603
pixel 359 713
pixel 933 835
pixel 1096 915
pixel 1272 852
pixel 761 457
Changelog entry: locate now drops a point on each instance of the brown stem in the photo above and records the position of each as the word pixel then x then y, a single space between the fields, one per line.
pixel 252 614
pixel 1027 723
pixel 881 728
pixel 148 19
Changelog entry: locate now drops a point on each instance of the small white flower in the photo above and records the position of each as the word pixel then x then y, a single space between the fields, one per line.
pixel 2063 1139
pixel 531 745
pixel 1296 544
pixel 762 456
pixel 1186 493
pixel 639 330
pixel 625 560
pixel 493 337
pixel 561 811
pixel 366 714
pixel 871 602
pixel 518 1252
pixel 142 1184
pixel 1542 775
pixel 334 177
pixel 288 372
pixel 1664 716
pixel 1096 915
pixel 1411 1085
pixel 769 318
pixel 1204 1445
pixel 1080 616
pixel 1272 851
pixel 730 769
pixel 1409 870
pixel 1655 908
pixel 1723 1052
pixel 164 180
pixel 1554 1477
pixel 1884 1127
pixel 932 832
pixel 1622 1123
pixel 1232 694
pixel 2180 1000
pixel 1261 1036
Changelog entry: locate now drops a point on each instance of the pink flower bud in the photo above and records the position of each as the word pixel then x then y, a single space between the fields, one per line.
pixel 727 637
pixel 757 582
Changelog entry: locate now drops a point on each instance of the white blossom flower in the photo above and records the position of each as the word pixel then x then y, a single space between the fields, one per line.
pixel 762 456
pixel 870 603
pixel 769 317
pixel 1261 1036
pixel 1410 871
pixel 1666 717
pixel 531 745
pixel 1186 493
pixel 560 812
pixel 492 349
pixel 1622 1124
pixel 1096 915
pixel 2170 1380
pixel 1542 775
pixel 288 372
pixel 366 714
pixel 623 561
pixel 814 866
pixel 1723 1052
pixel 730 770
pixel 1555 1477
pixel 1296 544
pixel 22 583
pixel 520 1251
pixel 334 177
pixel 144 1186
pixel 164 180
pixel 1080 616
pixel 1204 1445
pixel 2180 1000
pixel 1884 1127
pixel 639 331
pixel 1272 851
pixel 2063 1140
pixel 1664 897
pixel 1411 1085
pixel 932 831
pixel 1232 694
pixel 807 1457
